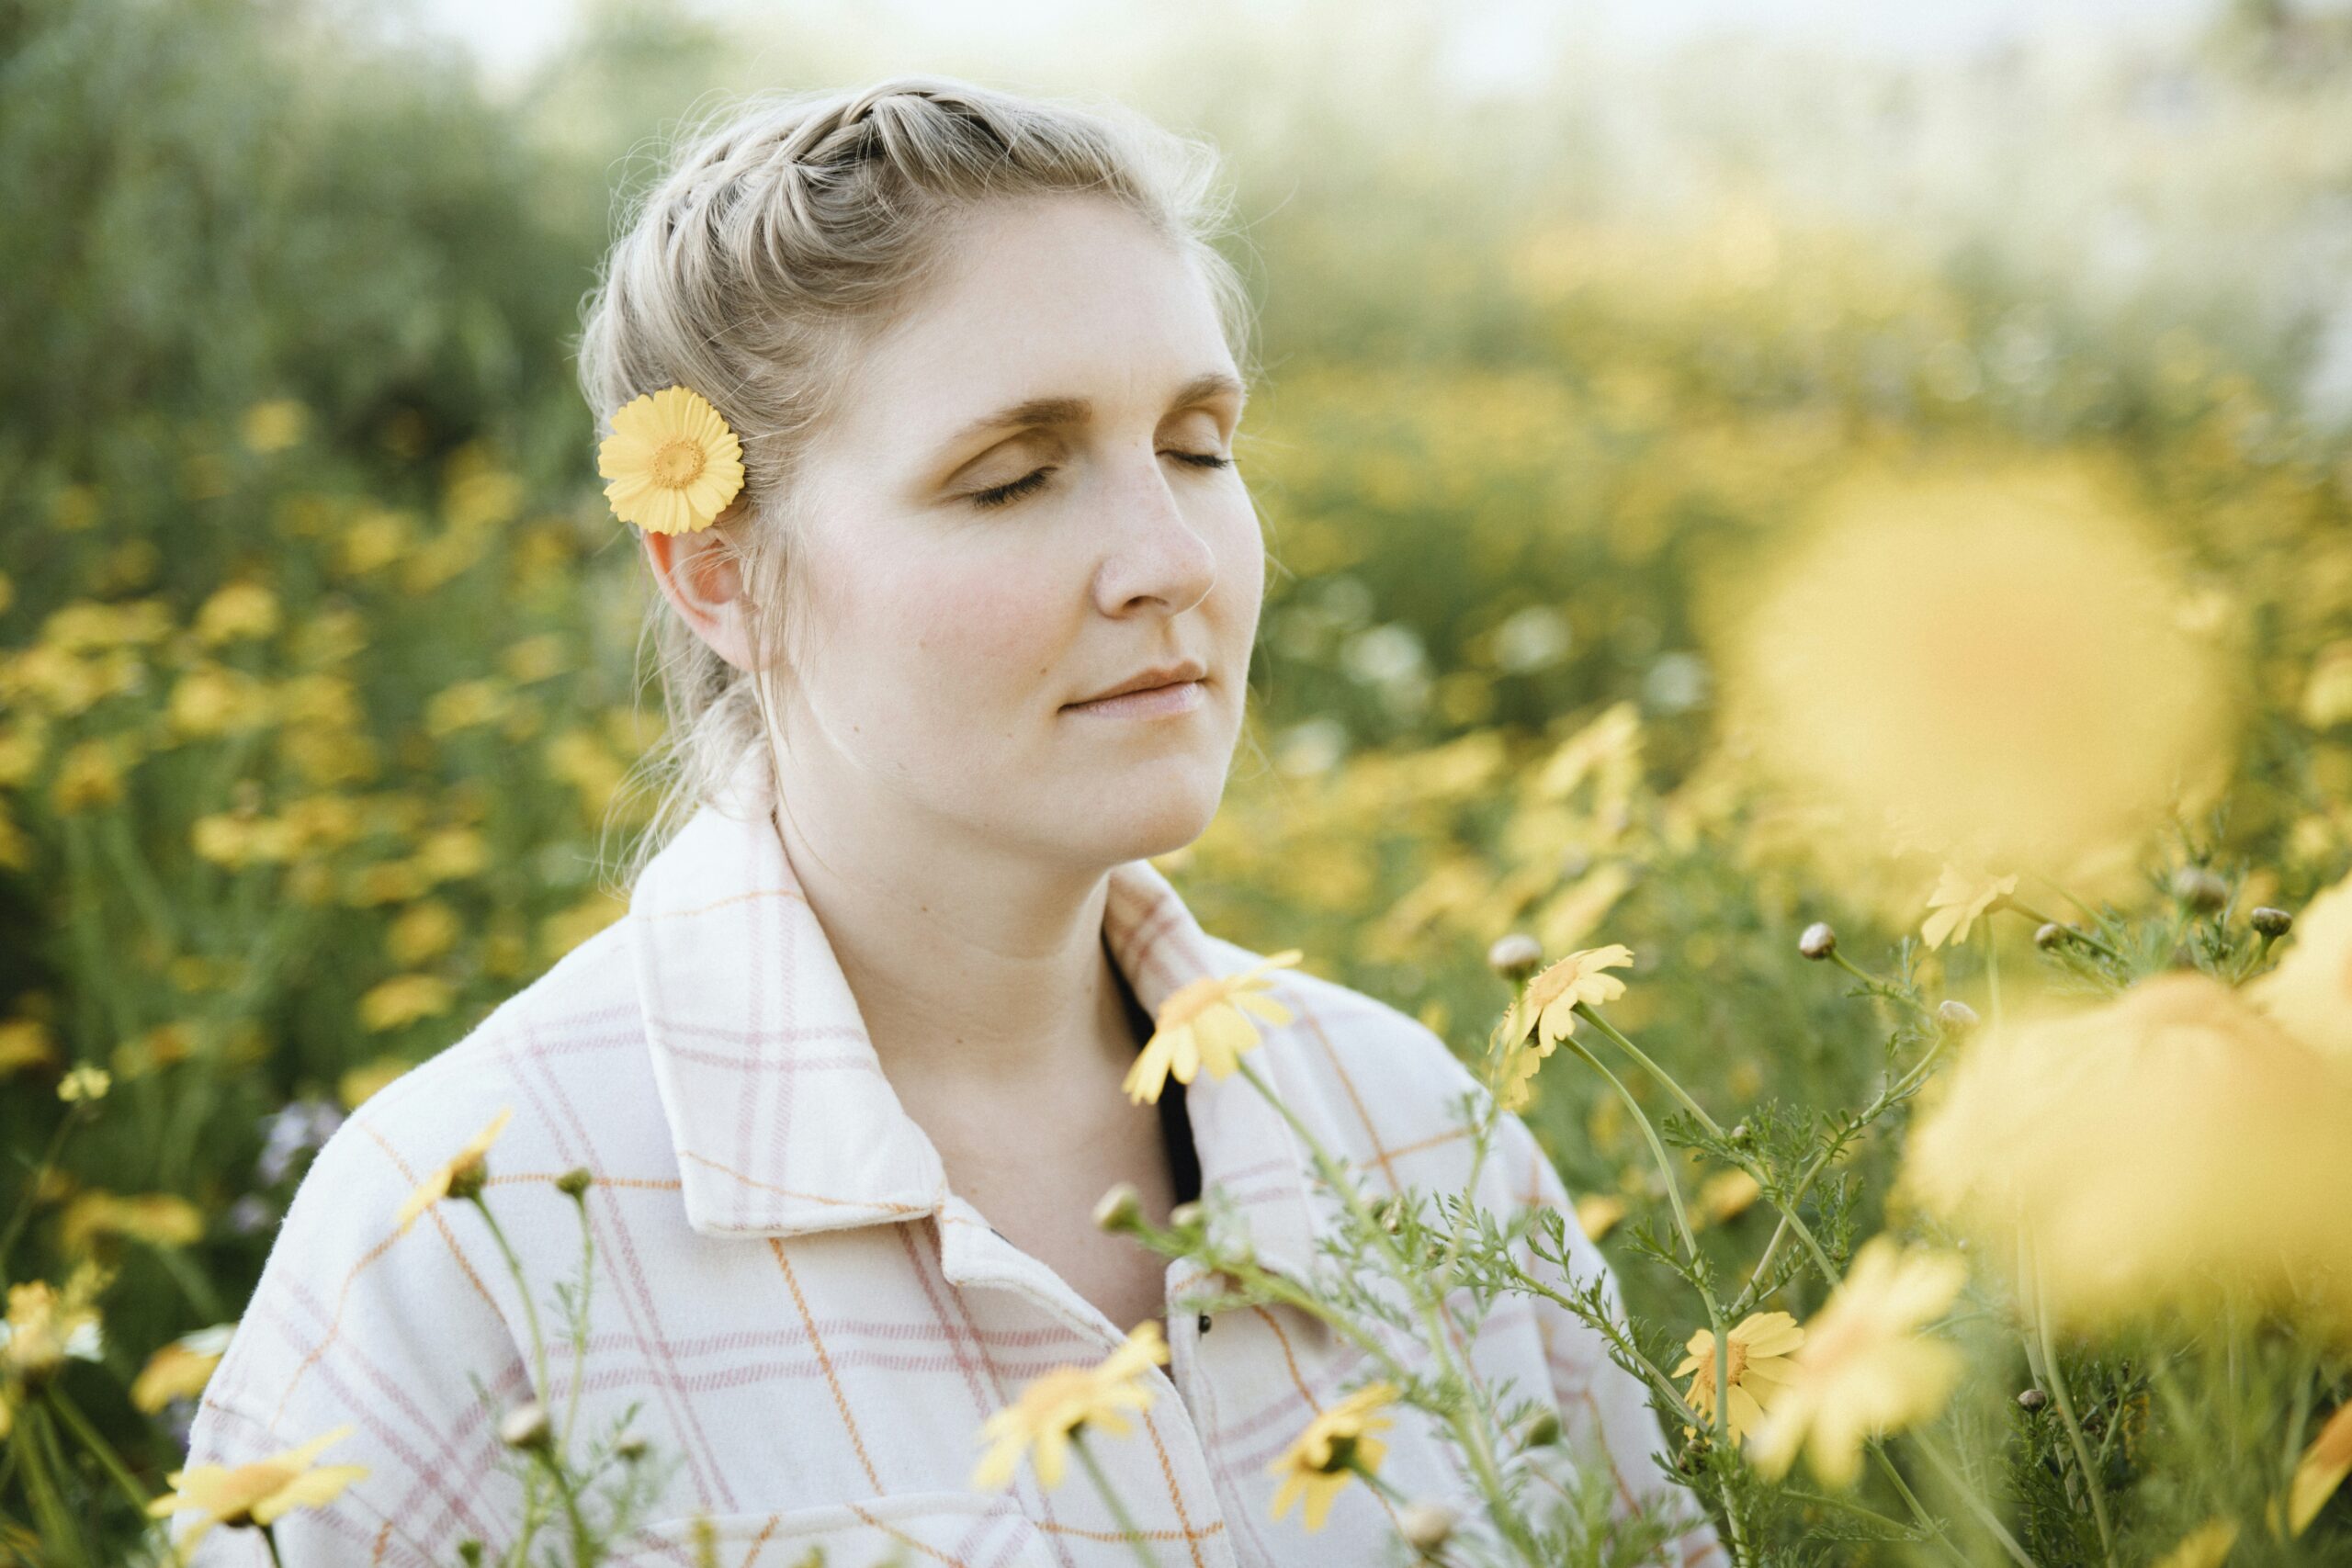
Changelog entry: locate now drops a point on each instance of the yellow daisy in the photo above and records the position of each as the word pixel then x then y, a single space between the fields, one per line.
pixel 181 1369
pixel 1863 1367
pixel 1053 1407
pixel 1202 1025
pixel 1757 1367
pixel 1334 1444
pixel 256 1493
pixel 1548 1004
pixel 1544 1015
pixel 673 463
pixel 461 1177
pixel 1958 900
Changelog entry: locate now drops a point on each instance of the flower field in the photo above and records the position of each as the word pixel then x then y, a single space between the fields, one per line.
pixel 1819 662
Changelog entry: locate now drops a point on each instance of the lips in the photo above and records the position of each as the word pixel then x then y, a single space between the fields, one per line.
pixel 1146 680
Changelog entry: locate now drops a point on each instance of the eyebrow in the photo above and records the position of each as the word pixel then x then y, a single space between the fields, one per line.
pixel 1077 411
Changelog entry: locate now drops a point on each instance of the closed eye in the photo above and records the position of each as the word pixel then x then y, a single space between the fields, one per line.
pixel 1029 485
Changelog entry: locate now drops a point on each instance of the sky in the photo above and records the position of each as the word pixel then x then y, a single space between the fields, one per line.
pixel 1496 37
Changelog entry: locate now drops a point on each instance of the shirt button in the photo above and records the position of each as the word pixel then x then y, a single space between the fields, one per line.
pixel 1204 1323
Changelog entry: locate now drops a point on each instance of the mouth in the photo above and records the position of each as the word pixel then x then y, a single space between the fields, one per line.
pixel 1163 701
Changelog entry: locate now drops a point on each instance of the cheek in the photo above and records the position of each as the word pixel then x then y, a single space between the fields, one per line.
pixel 958 636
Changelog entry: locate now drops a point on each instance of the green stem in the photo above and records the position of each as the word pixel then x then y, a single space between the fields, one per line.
pixel 2057 1384
pixel 1970 1501
pixel 580 1326
pixel 523 1287
pixel 73 1113
pixel 100 1449
pixel 1926 1521
pixel 44 1463
pixel 269 1539
pixel 1471 1433
pixel 1788 1211
pixel 1143 1553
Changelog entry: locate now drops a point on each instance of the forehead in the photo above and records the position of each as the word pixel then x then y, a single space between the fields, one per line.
pixel 1065 296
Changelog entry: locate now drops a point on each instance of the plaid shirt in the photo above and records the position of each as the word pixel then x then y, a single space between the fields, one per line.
pixel 806 1322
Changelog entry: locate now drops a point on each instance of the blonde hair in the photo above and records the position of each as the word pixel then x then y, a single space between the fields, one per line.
pixel 784 233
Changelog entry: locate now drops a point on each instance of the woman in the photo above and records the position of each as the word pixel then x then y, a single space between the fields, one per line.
pixel 846 1081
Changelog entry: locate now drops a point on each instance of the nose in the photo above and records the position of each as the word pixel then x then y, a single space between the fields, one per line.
pixel 1155 553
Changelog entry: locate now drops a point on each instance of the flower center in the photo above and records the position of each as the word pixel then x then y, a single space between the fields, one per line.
pixel 677 464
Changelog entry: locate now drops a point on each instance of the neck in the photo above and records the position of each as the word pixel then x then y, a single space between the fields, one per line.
pixel 971 969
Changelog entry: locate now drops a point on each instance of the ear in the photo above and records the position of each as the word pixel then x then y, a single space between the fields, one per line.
pixel 698 574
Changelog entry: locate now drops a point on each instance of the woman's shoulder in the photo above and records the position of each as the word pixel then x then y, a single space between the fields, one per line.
pixel 1374 1078
pixel 561 1057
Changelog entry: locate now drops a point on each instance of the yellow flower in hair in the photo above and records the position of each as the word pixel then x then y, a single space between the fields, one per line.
pixel 673 463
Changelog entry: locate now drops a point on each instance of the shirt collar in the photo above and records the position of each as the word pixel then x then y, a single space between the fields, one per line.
pixel 777 1108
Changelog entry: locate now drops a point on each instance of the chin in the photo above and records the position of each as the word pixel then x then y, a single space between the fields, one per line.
pixel 1133 815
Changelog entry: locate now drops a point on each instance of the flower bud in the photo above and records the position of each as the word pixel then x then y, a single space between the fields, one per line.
pixel 1818 941
pixel 1541 1430
pixel 575 1181
pixel 2050 934
pixel 2272 924
pixel 1427 1526
pixel 2032 1400
pixel 525 1427
pixel 1741 1136
pixel 1514 957
pixel 1956 1015
pixel 2199 888
pixel 470 1553
pixel 1187 1217
pixel 1119 1209
pixel 630 1448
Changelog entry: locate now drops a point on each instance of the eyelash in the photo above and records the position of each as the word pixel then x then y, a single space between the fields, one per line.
pixel 1005 494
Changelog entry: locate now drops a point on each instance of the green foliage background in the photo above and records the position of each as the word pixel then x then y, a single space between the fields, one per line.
pixel 1547 375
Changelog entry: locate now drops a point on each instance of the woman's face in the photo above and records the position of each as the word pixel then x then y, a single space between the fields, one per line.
pixel 1028 498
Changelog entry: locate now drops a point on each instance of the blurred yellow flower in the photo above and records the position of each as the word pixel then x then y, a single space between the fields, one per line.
pixel 274 425
pixel 1335 1444
pixel 1757 1354
pixel 84 1083
pixel 461 1177
pixel 2162 1150
pixel 1201 1025
pixel 88 775
pixel 403 999
pixel 533 659
pixel 1864 1367
pixel 45 1326
pixel 1054 1406
pixel 25 1042
pixel 181 1369
pixel 256 1493
pixel 464 705
pixel 673 463
pixel 1597 1213
pixel 2207 1546
pixel 1726 1195
pixel 1992 650
pixel 239 610
pixel 212 699
pixel 2327 695
pixel 424 932
pixel 452 854
pixel 2310 993
pixel 2321 1470
pixel 1959 898
pixel 159 1219
pixel 362 1082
